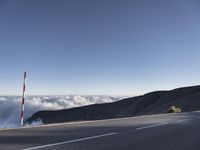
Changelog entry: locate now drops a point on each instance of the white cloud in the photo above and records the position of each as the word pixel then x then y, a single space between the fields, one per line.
pixel 10 107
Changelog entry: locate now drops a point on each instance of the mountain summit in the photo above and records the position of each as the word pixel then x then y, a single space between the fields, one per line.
pixel 187 99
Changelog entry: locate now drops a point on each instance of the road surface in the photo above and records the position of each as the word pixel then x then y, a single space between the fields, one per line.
pixel 155 132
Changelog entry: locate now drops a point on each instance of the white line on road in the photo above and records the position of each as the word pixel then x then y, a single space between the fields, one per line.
pixel 155 125
pixel 183 120
pixel 71 141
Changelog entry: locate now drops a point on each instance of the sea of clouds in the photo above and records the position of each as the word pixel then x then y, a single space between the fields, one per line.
pixel 10 106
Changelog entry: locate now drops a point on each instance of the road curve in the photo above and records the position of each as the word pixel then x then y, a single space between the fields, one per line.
pixel 153 132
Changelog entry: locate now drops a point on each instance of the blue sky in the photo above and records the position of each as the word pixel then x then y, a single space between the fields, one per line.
pixel 113 47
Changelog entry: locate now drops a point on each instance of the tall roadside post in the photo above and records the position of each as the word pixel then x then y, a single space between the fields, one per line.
pixel 23 97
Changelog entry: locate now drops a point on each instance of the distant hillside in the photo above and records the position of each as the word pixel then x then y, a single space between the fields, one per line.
pixel 188 99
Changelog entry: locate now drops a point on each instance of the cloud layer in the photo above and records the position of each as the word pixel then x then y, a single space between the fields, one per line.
pixel 10 106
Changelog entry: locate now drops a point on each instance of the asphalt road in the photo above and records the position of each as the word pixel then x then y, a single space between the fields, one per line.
pixel 156 132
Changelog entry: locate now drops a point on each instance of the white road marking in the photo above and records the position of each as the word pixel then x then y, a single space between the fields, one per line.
pixel 71 141
pixel 155 125
pixel 183 120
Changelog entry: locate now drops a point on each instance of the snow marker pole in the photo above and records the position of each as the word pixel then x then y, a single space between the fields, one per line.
pixel 23 96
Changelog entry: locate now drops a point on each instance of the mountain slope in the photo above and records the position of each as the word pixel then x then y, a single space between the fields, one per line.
pixel 188 99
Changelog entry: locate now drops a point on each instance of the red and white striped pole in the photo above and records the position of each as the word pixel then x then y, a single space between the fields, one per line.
pixel 23 96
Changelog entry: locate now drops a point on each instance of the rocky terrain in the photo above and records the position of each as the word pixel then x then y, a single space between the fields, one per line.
pixel 187 99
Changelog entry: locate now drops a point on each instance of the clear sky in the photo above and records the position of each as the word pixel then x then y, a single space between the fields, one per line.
pixel 121 47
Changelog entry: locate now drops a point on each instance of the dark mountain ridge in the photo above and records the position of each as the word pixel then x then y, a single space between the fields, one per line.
pixel 187 98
